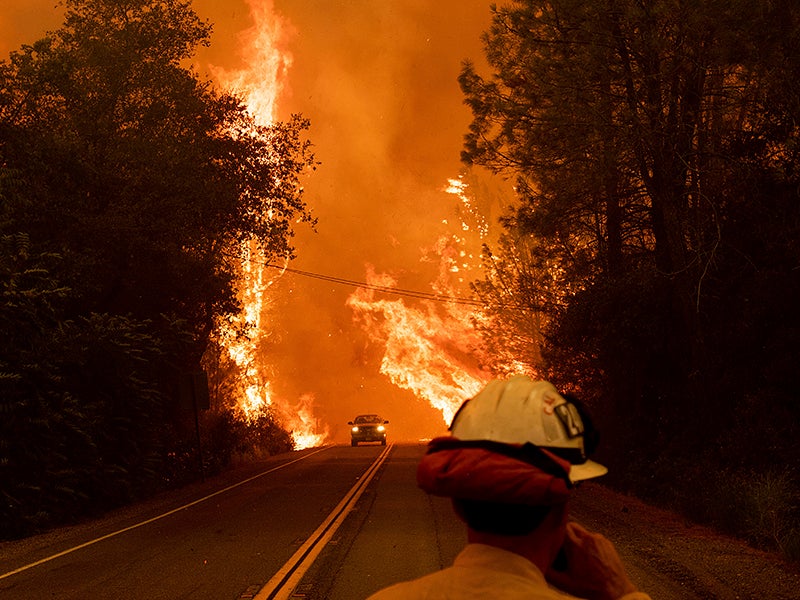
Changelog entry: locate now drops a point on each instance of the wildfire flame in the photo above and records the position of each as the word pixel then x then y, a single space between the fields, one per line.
pixel 428 350
pixel 431 349
pixel 266 62
pixel 307 432
pixel 260 83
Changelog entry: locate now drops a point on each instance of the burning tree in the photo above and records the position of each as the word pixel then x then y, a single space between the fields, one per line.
pixel 244 338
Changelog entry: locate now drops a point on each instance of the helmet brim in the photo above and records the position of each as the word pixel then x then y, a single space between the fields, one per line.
pixel 587 470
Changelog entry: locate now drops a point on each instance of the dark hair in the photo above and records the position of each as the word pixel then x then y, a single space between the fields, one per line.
pixel 591 437
pixel 500 518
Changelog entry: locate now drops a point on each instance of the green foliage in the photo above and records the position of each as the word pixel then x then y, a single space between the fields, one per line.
pixel 759 506
pixel 772 510
pixel 226 436
pixel 82 427
pixel 144 177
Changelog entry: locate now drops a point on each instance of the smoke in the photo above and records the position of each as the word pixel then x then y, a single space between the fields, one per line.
pixel 25 21
pixel 378 82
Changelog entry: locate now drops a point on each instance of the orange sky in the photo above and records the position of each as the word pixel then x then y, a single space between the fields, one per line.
pixel 377 79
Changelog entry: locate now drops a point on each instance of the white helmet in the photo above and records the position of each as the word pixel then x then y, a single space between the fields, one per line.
pixel 520 411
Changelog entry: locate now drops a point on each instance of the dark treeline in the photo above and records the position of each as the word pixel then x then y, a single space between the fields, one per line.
pixel 657 237
pixel 127 187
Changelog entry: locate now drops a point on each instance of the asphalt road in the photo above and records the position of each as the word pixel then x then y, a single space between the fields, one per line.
pixel 226 538
pixel 332 524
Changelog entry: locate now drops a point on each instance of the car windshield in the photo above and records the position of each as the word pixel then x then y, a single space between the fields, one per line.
pixel 368 419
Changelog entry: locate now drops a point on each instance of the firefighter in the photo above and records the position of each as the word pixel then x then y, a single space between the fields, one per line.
pixel 515 453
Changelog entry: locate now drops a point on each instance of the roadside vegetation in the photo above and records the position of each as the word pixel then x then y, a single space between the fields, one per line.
pixel 127 188
pixel 656 237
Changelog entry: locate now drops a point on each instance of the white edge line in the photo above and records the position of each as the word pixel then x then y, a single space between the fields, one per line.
pixel 148 521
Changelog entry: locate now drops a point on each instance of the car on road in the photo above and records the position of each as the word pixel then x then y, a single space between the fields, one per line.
pixel 368 428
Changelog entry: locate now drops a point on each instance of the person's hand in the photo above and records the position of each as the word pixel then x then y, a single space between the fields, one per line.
pixel 594 570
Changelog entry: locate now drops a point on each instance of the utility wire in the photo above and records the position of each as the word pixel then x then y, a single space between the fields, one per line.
pixel 381 288
pixel 385 289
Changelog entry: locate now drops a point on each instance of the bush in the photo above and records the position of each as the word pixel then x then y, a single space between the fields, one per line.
pixel 772 503
pixel 758 505
pixel 229 434
pixel 762 508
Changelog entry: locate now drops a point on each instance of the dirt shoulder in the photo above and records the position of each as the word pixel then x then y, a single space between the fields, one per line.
pixel 673 559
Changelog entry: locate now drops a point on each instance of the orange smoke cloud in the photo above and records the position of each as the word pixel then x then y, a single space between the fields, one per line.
pixel 378 81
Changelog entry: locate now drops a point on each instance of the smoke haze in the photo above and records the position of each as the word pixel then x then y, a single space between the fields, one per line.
pixel 377 80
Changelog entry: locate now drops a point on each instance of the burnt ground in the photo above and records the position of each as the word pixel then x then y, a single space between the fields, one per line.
pixel 673 559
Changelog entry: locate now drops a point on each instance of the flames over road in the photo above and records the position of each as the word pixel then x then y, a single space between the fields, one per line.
pixel 228 537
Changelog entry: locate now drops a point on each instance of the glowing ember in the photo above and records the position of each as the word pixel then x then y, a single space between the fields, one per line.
pixel 260 84
pixel 506 360
pixel 433 349
pixel 458 188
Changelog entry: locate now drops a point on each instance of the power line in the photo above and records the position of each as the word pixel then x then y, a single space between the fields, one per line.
pixel 380 288
pixel 385 289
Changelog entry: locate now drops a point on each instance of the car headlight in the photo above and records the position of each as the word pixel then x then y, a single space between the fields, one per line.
pixel 381 428
pixel 355 430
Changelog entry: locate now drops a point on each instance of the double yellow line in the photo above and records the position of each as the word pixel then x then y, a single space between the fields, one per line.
pixel 289 575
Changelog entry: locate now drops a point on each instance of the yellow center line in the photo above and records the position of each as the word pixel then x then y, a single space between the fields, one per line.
pixel 289 575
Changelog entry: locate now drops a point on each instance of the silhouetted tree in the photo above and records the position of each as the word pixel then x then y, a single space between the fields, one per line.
pixel 144 181
pixel 655 146
pixel 145 175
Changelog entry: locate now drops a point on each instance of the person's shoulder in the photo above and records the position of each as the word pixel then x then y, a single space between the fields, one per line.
pixel 418 589
pixel 398 591
pixel 389 593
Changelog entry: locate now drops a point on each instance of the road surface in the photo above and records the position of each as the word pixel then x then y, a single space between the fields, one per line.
pixel 339 523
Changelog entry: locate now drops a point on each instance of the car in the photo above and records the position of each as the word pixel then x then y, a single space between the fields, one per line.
pixel 368 428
